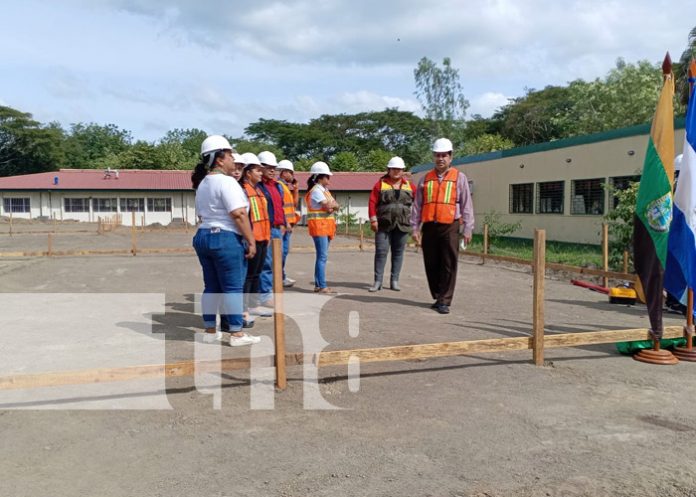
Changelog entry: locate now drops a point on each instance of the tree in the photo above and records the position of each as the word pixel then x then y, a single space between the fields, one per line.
pixel 625 97
pixel 27 146
pixel 440 94
pixel 681 69
pixel 86 144
pixel 189 139
pixel 486 143
pixel 345 161
pixel 620 221
pixel 538 116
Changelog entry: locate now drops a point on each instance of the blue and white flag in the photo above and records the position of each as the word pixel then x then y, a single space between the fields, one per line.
pixel 680 271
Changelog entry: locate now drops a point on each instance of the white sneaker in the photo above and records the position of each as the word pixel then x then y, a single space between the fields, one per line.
pixel 212 337
pixel 262 312
pixel 288 282
pixel 245 339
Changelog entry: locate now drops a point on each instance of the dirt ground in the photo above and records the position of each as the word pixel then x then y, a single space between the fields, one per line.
pixel 590 423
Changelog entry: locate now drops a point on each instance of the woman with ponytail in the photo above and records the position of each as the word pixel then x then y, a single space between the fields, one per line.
pixel 224 240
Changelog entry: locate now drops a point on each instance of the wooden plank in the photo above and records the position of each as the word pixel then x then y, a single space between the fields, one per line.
pixel 538 297
pixel 279 314
pixel 500 258
pixel 606 336
pixel 625 261
pixel 420 351
pixel 109 375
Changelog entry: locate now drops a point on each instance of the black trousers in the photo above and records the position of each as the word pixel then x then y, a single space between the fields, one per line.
pixel 440 243
pixel 253 277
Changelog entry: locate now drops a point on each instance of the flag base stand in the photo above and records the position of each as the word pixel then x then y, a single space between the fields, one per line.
pixel 687 353
pixel 656 356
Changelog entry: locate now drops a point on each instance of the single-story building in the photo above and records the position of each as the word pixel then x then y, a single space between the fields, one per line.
pixel 155 196
pixel 564 186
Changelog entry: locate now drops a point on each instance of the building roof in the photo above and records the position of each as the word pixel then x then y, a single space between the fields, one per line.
pixel 139 179
pixel 640 129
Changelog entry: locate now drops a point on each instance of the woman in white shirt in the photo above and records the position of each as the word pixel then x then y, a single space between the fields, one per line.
pixel 224 240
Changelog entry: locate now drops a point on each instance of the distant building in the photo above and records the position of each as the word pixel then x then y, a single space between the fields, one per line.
pixel 564 186
pixel 155 196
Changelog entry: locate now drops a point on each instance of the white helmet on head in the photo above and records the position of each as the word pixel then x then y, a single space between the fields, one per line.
pixel 442 145
pixel 286 164
pixel 320 167
pixel 396 163
pixel 237 158
pixel 268 158
pixel 214 143
pixel 249 158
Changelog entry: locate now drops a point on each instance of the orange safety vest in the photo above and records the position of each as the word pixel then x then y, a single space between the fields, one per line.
pixel 319 221
pixel 258 213
pixel 289 205
pixel 439 197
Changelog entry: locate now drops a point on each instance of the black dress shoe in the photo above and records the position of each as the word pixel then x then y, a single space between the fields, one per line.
pixel 443 309
pixel 435 305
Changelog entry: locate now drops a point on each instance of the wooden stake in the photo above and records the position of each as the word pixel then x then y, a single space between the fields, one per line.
pixel 362 235
pixel 538 298
pixel 50 244
pixel 625 261
pixel 279 314
pixel 11 223
pixel 605 252
pixel 134 248
pixel 485 243
pixel 100 228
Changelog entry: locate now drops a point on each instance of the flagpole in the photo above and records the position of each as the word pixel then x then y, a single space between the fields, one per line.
pixel 688 353
pixel 657 355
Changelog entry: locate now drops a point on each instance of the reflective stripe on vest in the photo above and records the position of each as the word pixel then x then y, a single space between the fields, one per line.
pixel 258 213
pixel 440 197
pixel 319 221
pixel 405 186
pixel 288 205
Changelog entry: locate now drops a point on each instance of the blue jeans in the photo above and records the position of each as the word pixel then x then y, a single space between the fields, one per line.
pixel 266 281
pixel 321 244
pixel 221 254
pixel 286 248
pixel 396 239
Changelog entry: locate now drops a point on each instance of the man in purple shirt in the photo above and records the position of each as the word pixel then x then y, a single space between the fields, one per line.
pixel 440 239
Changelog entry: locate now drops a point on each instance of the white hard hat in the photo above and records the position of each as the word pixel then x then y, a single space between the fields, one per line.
pixel 249 158
pixel 286 164
pixel 320 168
pixel 214 143
pixel 677 162
pixel 396 163
pixel 268 158
pixel 238 159
pixel 442 145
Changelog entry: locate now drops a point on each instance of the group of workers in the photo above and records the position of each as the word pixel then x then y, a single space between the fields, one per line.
pixel 244 201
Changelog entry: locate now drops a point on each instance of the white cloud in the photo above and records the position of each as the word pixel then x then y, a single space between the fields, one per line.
pixel 487 103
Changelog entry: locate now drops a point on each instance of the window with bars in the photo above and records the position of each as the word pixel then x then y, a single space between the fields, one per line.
pixel 550 197
pixel 76 204
pixel 159 204
pixel 587 196
pixel 104 205
pixel 522 198
pixel 20 204
pixel 619 183
pixel 132 205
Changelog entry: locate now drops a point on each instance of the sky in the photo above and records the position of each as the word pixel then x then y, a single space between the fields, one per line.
pixel 152 66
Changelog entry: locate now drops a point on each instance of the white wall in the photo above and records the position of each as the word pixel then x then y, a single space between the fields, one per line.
pixel 51 205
